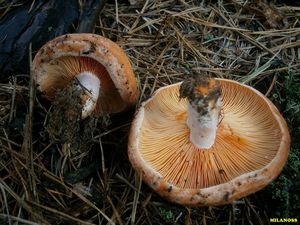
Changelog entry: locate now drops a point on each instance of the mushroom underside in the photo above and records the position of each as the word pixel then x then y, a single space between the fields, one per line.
pixel 61 71
pixel 248 138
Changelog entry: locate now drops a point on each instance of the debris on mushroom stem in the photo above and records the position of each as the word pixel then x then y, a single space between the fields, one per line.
pixel 204 107
pixel 85 90
pixel 68 101
pixel 65 127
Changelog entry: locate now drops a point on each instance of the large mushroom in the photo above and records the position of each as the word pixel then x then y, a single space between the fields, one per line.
pixel 100 67
pixel 208 141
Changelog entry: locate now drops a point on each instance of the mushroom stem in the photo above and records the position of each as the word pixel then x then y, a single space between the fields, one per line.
pixel 203 127
pixel 90 85
pixel 204 107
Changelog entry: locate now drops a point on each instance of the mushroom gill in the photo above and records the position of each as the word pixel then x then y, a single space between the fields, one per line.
pixel 248 138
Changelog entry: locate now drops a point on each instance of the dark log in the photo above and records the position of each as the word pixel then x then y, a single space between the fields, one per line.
pixel 39 23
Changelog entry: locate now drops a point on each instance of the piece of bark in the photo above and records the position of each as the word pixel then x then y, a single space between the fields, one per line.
pixel 88 16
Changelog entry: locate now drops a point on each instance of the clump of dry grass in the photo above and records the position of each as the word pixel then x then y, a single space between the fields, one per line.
pixel 42 182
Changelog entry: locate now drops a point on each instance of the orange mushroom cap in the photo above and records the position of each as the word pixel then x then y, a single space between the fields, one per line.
pixel 251 146
pixel 60 60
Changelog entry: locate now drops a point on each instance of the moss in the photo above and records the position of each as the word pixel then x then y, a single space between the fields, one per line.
pixel 166 214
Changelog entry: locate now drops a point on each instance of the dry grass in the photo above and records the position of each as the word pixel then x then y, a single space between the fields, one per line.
pixel 46 181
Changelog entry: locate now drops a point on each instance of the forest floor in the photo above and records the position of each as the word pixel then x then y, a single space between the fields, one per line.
pixel 254 42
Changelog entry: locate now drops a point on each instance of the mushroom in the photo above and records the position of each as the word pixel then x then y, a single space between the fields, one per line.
pixel 100 67
pixel 208 141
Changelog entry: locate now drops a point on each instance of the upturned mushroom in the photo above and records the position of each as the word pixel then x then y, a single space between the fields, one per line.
pixel 208 141
pixel 100 67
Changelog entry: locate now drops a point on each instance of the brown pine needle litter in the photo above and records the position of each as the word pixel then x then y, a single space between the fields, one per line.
pixel 46 178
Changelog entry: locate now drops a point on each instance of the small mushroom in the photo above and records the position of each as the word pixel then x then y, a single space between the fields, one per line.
pixel 208 141
pixel 100 67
